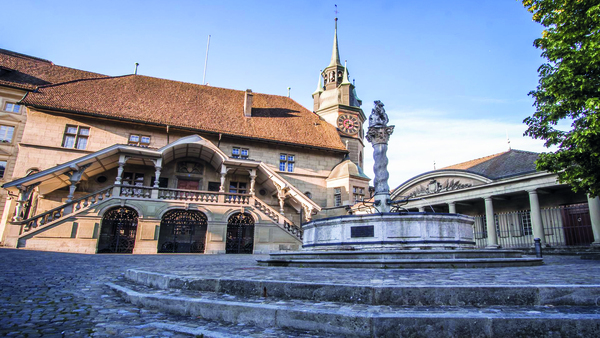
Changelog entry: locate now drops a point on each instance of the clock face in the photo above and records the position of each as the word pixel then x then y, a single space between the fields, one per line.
pixel 348 124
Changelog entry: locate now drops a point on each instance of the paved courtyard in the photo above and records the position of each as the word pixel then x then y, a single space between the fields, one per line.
pixel 63 295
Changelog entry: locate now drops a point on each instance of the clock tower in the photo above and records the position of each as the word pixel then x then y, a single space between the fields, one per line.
pixel 335 100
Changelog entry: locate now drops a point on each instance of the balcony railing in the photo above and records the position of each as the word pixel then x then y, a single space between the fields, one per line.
pixel 163 194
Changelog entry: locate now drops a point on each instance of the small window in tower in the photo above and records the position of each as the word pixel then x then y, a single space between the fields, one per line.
pixel 337 197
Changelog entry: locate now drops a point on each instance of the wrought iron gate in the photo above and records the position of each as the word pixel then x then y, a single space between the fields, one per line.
pixel 240 234
pixel 119 227
pixel 182 231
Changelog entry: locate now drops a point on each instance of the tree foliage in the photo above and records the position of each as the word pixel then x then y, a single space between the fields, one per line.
pixel 568 90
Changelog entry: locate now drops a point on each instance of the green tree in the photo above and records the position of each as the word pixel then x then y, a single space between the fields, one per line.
pixel 568 90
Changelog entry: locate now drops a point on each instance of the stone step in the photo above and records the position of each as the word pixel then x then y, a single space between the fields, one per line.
pixel 360 320
pixel 398 254
pixel 402 263
pixel 402 295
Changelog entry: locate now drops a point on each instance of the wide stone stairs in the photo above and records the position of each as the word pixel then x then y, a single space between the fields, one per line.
pixel 350 310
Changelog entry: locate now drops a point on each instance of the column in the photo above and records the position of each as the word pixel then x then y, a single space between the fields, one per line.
pixel 536 217
pixel 252 181
pixel 223 174
pixel 594 205
pixel 452 207
pixel 72 188
pixel 157 169
pixel 491 224
pixel 19 204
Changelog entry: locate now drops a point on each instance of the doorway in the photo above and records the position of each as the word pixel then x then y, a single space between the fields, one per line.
pixel 118 230
pixel 240 234
pixel 188 184
pixel 182 231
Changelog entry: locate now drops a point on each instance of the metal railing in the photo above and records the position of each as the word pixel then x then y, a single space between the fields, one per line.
pixel 563 226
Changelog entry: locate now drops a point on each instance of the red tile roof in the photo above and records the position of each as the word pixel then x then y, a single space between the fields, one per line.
pixel 28 72
pixel 198 107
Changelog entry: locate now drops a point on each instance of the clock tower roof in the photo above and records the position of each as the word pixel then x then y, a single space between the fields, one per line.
pixel 335 54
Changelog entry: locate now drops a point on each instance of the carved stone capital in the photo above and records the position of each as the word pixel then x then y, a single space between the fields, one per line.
pixel 379 135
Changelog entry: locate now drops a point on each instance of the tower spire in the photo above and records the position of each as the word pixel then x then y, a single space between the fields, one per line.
pixel 335 54
pixel 345 80
pixel 320 84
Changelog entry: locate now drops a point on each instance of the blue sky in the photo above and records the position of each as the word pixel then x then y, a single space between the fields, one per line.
pixel 454 75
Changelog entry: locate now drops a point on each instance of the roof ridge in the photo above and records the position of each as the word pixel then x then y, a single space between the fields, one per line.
pixel 101 77
pixel 209 86
pixel 475 160
pixel 8 52
pixel 525 151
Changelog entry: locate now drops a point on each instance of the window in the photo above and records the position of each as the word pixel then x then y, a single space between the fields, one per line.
pixel 163 182
pixel 214 186
pixel 337 197
pixel 76 137
pixel 286 162
pixel 237 187
pixel 136 179
pixel 139 140
pixel 359 194
pixel 6 134
pixel 2 168
pixel 12 107
pixel 237 152
pixel 525 219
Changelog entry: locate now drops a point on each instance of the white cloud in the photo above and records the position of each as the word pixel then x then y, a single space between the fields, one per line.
pixel 422 137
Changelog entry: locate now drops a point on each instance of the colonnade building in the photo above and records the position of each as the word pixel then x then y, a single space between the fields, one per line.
pixel 507 191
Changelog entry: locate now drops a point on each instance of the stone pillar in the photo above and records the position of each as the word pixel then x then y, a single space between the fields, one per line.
pixel 74 177
pixel 452 207
pixel 491 224
pixel 157 170
pixel 536 217
pixel 72 188
pixel 223 174
pixel 19 206
pixel 378 134
pixel 122 161
pixel 594 205
pixel 252 181
pixel 24 194
pixel 307 212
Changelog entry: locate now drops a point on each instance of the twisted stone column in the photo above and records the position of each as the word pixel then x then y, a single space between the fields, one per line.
pixel 379 134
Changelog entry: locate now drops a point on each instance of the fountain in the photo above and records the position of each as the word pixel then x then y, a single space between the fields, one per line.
pixel 385 239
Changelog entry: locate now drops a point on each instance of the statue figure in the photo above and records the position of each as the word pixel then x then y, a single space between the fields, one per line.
pixel 378 117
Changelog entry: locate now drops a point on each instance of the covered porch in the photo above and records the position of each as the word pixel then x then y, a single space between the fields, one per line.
pixel 66 207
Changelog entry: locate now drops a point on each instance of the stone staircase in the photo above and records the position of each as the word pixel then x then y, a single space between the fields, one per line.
pixel 38 223
pixel 352 310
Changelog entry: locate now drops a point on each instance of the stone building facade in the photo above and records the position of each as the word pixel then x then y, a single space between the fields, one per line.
pixel 138 164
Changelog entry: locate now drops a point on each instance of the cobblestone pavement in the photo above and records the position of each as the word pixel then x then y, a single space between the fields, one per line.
pixel 46 294
pixel 63 295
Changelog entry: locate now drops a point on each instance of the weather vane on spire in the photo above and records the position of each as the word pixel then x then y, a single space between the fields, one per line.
pixel 336 12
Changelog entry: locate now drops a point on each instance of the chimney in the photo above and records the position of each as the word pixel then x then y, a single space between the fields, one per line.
pixel 248 103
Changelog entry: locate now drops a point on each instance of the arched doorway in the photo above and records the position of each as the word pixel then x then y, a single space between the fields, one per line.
pixel 182 231
pixel 117 234
pixel 240 234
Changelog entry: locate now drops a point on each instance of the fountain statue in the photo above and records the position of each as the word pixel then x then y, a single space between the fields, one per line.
pixel 398 239
pixel 379 134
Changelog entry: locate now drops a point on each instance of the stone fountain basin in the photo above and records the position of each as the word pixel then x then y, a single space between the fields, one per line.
pixel 390 231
